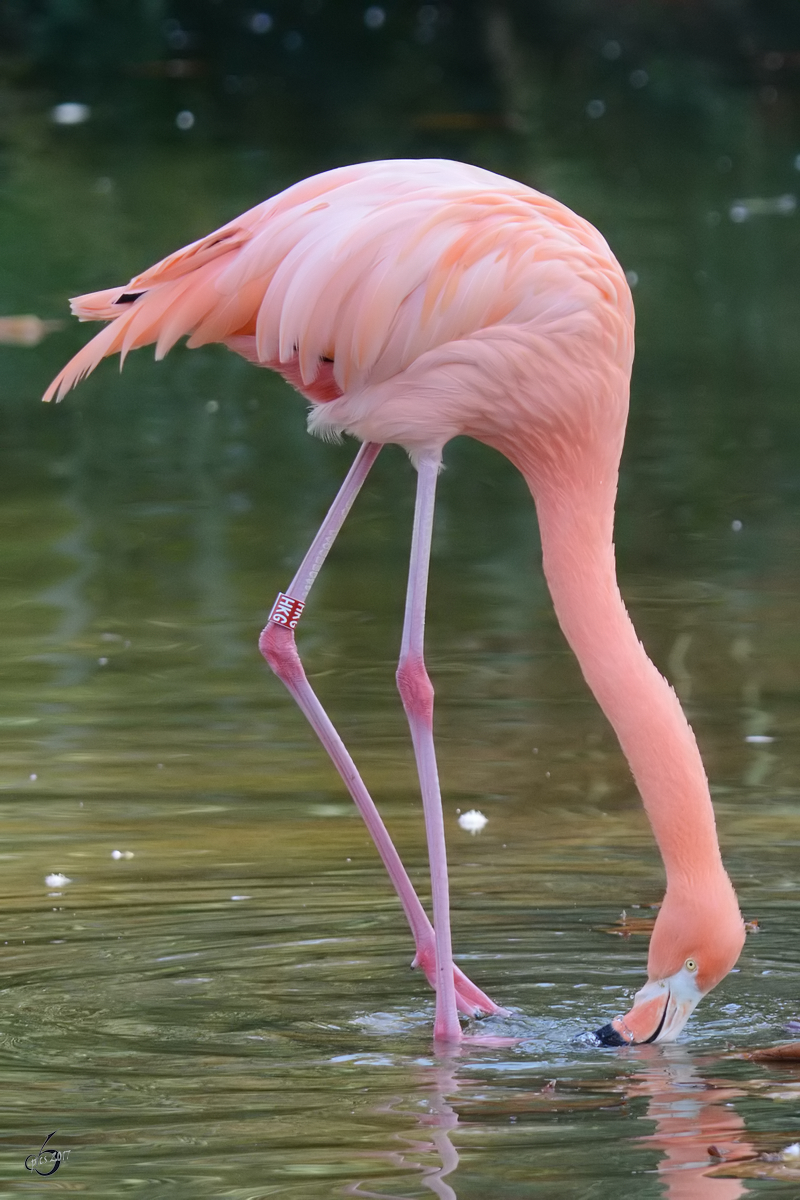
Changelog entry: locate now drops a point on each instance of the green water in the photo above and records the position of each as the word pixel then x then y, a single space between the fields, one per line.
pixel 224 1008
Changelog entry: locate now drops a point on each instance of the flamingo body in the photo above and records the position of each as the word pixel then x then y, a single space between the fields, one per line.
pixel 347 280
pixel 414 301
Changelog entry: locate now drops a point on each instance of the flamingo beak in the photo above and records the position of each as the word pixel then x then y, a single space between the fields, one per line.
pixel 660 1011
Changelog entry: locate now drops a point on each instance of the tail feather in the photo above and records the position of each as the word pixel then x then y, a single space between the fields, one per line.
pixel 178 320
pixel 100 306
pixel 165 304
pixel 162 312
pixel 167 301
pixel 233 315
pixel 189 258
pixel 198 300
pixel 84 362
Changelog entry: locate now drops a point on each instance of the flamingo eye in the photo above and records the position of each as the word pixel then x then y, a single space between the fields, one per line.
pixel 690 965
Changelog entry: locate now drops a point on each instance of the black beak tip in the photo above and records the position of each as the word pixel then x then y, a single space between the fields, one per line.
pixel 608 1036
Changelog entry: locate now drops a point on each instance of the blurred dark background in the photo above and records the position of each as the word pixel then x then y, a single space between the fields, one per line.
pixel 413 77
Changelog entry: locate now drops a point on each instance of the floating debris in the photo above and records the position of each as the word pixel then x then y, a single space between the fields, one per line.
pixel 122 854
pixel 783 1165
pixel 26 330
pixel 473 821
pixel 759 739
pixel 787 1052
pixel 56 880
pixel 627 926
pixel 758 1168
pixel 732 1154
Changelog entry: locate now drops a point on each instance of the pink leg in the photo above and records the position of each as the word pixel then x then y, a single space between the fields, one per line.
pixel 277 644
pixel 417 693
pixel 337 514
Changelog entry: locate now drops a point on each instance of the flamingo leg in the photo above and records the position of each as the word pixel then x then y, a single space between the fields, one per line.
pixel 416 690
pixel 277 644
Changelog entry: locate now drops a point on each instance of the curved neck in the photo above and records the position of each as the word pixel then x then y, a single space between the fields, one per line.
pixel 575 521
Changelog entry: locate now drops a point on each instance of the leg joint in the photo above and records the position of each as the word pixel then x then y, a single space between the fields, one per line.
pixel 278 648
pixel 415 688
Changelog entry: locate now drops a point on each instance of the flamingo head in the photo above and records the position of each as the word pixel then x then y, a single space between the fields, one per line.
pixel 696 940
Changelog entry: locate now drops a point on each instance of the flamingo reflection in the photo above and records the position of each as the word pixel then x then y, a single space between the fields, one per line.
pixel 437 1080
pixel 690 1114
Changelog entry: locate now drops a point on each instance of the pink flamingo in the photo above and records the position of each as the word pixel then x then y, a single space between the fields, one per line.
pixel 411 302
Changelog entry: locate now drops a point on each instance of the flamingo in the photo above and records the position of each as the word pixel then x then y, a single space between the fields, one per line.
pixel 410 302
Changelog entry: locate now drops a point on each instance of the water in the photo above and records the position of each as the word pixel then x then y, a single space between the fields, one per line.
pixel 218 1002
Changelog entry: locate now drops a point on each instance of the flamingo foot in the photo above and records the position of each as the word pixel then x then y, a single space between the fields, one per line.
pixel 468 993
pixel 470 1000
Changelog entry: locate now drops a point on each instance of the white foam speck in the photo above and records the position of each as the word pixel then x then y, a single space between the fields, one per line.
pixel 473 821
pixel 56 880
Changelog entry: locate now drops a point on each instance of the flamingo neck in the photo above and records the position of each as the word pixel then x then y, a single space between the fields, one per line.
pixel 576 524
